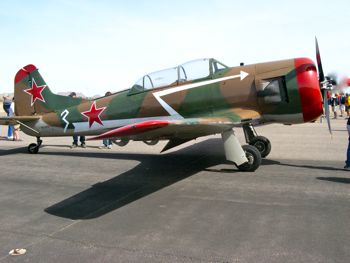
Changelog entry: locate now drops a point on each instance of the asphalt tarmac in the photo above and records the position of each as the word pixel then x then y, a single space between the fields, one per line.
pixel 133 204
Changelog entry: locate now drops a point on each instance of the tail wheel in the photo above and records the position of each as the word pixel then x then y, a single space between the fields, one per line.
pixel 262 144
pixel 254 159
pixel 33 148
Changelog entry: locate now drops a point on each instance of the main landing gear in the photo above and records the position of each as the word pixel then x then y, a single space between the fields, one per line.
pixel 247 158
pixel 34 147
pixel 260 142
pixel 254 159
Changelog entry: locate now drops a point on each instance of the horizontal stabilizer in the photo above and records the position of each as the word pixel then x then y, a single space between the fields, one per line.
pixel 17 119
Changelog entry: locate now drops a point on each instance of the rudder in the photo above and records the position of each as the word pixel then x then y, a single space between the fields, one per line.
pixel 33 96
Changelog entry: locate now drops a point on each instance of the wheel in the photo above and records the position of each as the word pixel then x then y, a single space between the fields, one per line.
pixel 33 148
pixel 254 159
pixel 262 144
pixel 151 142
pixel 121 142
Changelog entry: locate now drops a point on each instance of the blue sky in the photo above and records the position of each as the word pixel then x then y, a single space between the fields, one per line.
pixel 98 46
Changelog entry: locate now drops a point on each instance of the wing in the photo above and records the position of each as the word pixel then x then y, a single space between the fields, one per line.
pixel 17 119
pixel 183 129
pixel 177 132
pixel 169 129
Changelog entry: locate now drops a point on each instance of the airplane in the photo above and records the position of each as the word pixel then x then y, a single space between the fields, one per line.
pixel 198 98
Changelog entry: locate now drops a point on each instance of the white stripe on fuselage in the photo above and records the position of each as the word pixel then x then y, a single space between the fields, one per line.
pixel 170 110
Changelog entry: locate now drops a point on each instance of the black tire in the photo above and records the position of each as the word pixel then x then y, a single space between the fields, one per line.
pixel 254 159
pixel 151 142
pixel 33 148
pixel 262 144
pixel 121 142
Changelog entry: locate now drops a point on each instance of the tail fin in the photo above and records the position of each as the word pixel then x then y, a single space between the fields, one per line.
pixel 33 96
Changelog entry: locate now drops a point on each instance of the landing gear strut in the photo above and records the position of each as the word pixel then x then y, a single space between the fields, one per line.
pixel 34 147
pixel 247 158
pixel 260 142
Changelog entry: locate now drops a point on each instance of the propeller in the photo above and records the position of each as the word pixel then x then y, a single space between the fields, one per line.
pixel 325 85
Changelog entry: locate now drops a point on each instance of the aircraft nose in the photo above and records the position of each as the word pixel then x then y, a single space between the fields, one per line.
pixel 309 89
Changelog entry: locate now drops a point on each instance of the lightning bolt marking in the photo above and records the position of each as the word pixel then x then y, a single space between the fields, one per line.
pixel 64 115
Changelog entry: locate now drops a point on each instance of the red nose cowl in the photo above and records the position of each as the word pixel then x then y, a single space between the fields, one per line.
pixel 309 89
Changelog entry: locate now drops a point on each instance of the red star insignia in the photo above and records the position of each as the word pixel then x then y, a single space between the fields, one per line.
pixel 94 114
pixel 35 92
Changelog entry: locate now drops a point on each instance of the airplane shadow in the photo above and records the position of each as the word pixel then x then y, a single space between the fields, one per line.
pixel 326 168
pixel 265 162
pixel 342 180
pixel 225 170
pixel 153 173
pixel 13 151
pixel 68 146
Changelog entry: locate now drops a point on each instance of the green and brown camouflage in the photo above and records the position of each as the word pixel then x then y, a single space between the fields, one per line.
pixel 259 93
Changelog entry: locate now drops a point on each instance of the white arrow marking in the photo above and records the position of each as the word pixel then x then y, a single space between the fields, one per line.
pixel 243 75
pixel 170 110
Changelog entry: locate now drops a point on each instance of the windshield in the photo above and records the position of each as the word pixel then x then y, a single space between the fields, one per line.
pixel 164 77
pixel 192 70
pixel 197 69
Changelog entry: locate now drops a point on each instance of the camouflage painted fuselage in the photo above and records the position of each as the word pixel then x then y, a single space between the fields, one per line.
pixel 284 91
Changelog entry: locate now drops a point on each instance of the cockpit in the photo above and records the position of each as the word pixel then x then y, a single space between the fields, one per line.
pixel 189 71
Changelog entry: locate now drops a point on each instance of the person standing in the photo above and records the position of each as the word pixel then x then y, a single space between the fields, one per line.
pixel 76 137
pixel 342 100
pixel 16 127
pixel 75 141
pixel 7 108
pixel 347 105
pixel 335 105
pixel 347 162
pixel 107 144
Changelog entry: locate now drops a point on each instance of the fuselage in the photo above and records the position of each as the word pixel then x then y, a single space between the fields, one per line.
pixel 284 92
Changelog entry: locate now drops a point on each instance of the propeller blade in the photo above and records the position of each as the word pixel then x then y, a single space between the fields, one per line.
pixel 324 86
pixel 319 63
pixel 326 110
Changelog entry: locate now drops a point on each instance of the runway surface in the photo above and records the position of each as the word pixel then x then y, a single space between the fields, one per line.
pixel 133 204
